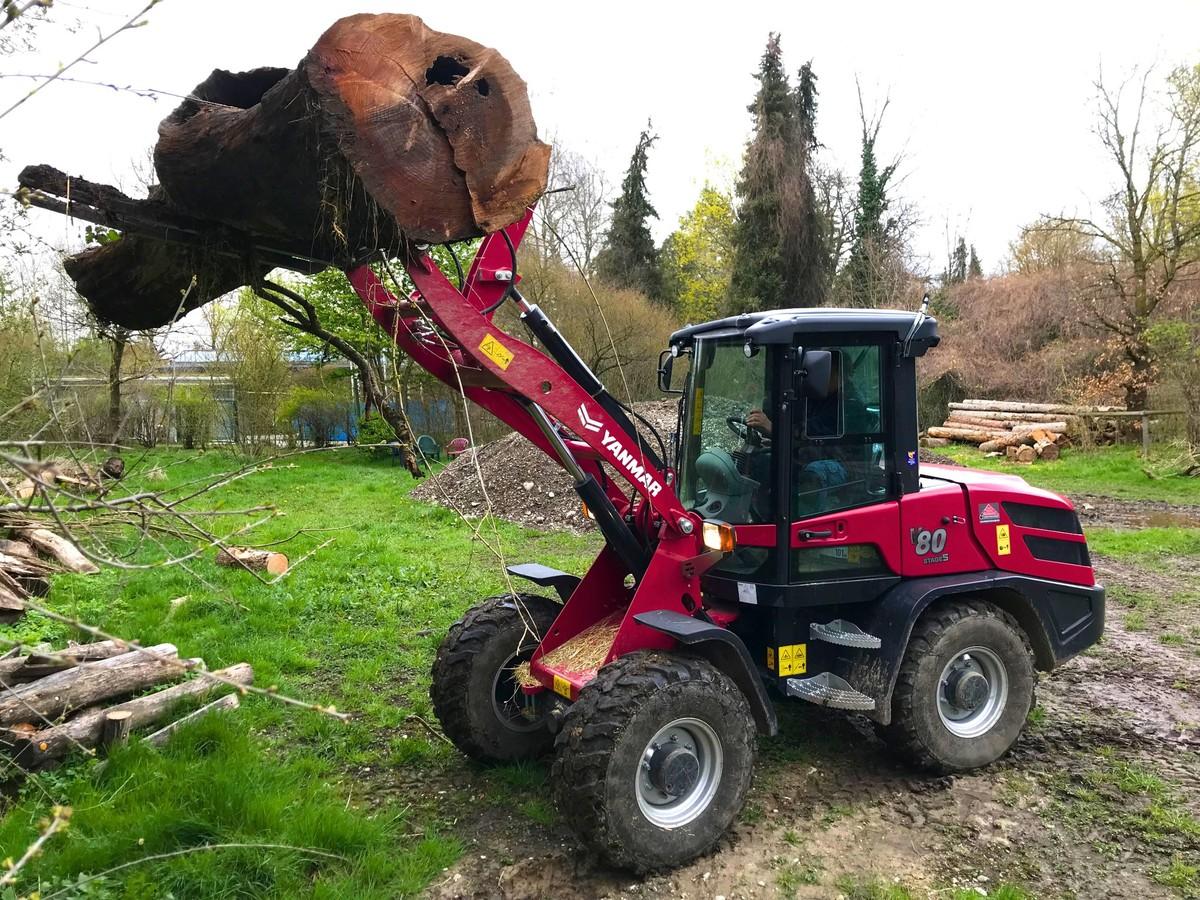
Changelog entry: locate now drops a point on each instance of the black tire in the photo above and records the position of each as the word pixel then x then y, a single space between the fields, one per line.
pixel 467 678
pixel 918 731
pixel 600 751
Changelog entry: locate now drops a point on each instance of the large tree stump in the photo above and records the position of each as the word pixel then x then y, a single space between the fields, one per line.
pixel 386 132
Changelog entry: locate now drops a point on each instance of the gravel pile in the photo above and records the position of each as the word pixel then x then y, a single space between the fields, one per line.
pixel 524 484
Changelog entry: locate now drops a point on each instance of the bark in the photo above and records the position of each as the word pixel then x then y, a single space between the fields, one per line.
pixel 1047 450
pixel 957 419
pixel 118 341
pixel 255 560
pixel 86 728
pixel 88 684
pixel 1011 406
pixel 64 552
pixel 1012 439
pixel 114 729
pixel 23 669
pixel 11 605
pixel 387 132
pixel 967 435
pixel 17 548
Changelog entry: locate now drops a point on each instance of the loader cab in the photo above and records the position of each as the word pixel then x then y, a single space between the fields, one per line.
pixel 799 428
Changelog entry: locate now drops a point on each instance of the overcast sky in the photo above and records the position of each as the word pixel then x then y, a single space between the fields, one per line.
pixel 991 104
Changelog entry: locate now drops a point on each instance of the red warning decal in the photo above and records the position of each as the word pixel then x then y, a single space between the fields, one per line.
pixel 988 513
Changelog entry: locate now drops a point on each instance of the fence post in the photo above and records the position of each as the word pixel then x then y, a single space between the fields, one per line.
pixel 1145 435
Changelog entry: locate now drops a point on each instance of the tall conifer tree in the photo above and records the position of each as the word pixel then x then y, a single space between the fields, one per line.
pixel 629 258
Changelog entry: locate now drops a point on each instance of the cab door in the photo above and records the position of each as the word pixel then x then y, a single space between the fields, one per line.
pixel 844 513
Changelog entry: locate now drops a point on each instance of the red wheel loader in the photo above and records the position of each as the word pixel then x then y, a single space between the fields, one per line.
pixel 787 545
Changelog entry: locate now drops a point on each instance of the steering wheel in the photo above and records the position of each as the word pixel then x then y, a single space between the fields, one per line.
pixel 746 434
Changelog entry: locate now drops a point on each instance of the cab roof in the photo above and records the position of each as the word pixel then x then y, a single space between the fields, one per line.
pixel 780 326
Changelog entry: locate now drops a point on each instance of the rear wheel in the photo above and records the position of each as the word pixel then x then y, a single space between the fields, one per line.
pixel 475 695
pixel 654 760
pixel 964 689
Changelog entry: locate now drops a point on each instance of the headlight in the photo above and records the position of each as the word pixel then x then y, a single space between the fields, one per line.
pixel 718 536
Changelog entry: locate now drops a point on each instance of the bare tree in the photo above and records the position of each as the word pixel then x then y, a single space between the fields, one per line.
pixel 572 219
pixel 1151 232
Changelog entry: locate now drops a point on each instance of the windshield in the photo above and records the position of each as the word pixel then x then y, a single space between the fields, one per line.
pixel 725 458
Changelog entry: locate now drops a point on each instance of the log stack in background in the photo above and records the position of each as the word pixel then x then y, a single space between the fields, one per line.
pixel 54 703
pixel 1022 431
pixel 386 133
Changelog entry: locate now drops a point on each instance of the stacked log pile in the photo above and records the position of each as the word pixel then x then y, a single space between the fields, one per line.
pixel 53 703
pixel 29 555
pixel 1024 432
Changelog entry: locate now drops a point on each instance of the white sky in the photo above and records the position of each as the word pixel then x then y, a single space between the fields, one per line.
pixel 991 104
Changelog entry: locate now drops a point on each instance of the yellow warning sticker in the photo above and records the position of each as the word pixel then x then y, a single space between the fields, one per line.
pixel 562 686
pixel 698 411
pixel 1003 545
pixel 793 659
pixel 496 351
pixel 771 658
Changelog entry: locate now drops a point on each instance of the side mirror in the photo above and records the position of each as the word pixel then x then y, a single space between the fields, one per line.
pixel 665 363
pixel 816 369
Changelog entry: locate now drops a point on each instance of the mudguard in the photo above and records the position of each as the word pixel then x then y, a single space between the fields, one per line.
pixel 723 649
pixel 545 576
pixel 1060 620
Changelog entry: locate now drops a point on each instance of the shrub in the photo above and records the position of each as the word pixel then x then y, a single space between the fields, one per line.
pixel 195 417
pixel 315 413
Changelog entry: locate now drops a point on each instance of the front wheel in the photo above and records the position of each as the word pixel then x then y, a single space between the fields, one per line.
pixel 474 690
pixel 654 760
pixel 964 689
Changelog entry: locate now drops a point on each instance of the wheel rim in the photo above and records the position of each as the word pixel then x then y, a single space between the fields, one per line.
pixel 679 772
pixel 972 692
pixel 512 706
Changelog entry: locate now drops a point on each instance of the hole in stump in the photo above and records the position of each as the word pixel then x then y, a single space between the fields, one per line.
pixel 445 70
pixel 482 86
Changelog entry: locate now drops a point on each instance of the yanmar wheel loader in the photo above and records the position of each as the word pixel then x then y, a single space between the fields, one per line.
pixel 788 546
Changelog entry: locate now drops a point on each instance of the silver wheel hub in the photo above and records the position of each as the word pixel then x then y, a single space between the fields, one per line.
pixel 972 692
pixel 679 772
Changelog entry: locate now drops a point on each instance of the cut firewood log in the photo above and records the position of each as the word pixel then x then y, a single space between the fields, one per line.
pixel 88 684
pixel 934 442
pixel 114 729
pixel 1006 440
pixel 1025 454
pixel 960 419
pixel 113 469
pixel 17 548
pixel 965 435
pixel 160 737
pixel 64 552
pixel 1012 406
pixel 387 132
pixel 256 560
pixel 86 728
pixel 23 669
pixel 1010 416
pixel 12 605
pixel 1047 450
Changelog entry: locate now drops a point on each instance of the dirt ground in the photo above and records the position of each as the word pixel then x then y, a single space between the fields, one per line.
pixel 1098 799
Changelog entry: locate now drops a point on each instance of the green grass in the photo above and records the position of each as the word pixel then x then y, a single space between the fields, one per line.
pixel 1145 546
pixel 356 626
pixel 1111 471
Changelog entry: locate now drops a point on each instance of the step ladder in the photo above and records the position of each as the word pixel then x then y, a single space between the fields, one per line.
pixel 828 689
pixel 844 634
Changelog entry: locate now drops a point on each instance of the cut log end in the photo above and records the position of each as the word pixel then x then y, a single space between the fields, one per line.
pixel 254 560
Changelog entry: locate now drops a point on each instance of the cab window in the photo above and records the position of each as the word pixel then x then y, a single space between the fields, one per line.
pixel 839 456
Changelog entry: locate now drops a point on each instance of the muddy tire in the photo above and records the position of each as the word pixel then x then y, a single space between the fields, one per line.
pixel 473 693
pixel 654 760
pixel 964 689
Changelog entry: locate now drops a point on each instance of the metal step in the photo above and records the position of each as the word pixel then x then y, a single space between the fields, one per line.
pixel 844 634
pixel 828 689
